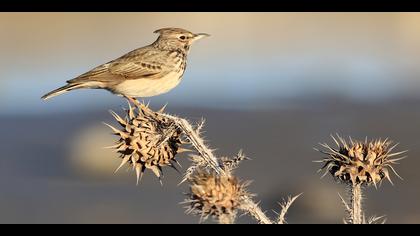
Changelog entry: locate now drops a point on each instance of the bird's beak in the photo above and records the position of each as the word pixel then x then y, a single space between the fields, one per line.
pixel 200 36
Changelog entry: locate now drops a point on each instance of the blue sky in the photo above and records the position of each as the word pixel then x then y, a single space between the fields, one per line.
pixel 249 58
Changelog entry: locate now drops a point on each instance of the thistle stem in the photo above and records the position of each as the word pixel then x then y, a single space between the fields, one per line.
pixel 198 143
pixel 226 220
pixel 206 153
pixel 256 212
pixel 356 204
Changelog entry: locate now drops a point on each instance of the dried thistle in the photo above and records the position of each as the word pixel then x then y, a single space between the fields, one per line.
pixel 219 196
pixel 151 140
pixel 357 164
pixel 360 162
pixel 148 140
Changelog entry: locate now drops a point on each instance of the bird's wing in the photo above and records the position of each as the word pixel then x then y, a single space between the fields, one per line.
pixel 144 63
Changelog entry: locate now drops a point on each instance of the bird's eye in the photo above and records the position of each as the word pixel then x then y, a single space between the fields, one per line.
pixel 182 37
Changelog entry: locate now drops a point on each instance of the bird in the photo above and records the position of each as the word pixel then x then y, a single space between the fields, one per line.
pixel 144 72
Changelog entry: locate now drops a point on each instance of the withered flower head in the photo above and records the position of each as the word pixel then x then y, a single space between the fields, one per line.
pixel 214 195
pixel 360 162
pixel 148 140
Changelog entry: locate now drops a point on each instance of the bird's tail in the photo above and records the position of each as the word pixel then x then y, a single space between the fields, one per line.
pixel 62 90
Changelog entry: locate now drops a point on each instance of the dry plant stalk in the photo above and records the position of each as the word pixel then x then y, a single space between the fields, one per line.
pixel 358 164
pixel 151 140
pixel 284 208
pixel 356 204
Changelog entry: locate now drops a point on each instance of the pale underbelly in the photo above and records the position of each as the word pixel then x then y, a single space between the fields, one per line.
pixel 148 87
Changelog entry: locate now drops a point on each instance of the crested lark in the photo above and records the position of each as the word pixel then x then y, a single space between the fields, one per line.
pixel 144 72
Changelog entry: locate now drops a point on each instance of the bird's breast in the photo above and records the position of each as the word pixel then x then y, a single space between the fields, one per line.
pixel 150 87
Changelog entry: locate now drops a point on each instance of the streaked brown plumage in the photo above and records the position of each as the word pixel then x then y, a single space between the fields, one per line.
pixel 144 72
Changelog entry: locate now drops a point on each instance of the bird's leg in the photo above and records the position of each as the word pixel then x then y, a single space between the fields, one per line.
pixel 132 100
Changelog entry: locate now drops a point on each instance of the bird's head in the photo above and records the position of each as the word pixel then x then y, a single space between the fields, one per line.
pixel 178 38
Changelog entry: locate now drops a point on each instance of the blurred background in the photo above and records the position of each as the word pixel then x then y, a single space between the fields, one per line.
pixel 273 84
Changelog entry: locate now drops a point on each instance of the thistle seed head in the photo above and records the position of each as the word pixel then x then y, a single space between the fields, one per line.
pixel 147 140
pixel 214 195
pixel 360 162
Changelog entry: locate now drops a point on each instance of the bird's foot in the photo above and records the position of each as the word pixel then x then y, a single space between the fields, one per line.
pixel 133 100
